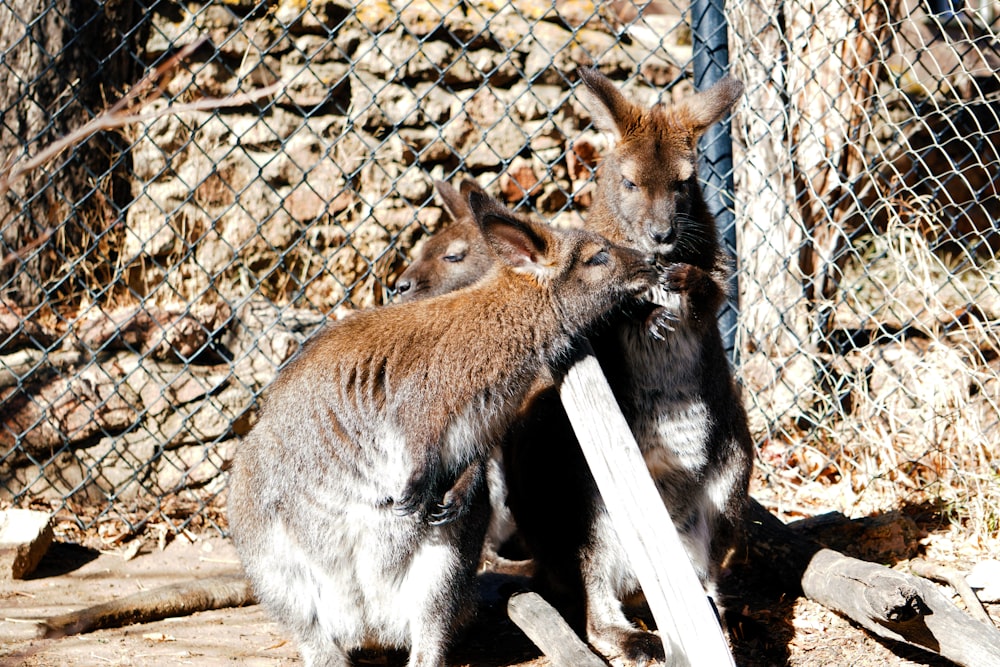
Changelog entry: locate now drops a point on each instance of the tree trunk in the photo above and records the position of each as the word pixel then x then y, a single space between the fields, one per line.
pixel 772 313
pixel 810 69
pixel 835 51
pixel 61 60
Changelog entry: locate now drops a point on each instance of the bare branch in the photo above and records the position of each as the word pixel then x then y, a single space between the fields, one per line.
pixel 124 113
pixel 27 247
pixel 956 580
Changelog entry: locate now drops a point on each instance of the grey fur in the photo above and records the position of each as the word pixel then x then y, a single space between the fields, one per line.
pixel 357 502
pixel 669 372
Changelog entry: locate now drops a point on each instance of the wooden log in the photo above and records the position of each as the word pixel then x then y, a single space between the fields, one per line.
pixel 180 599
pixel 956 580
pixel 885 602
pixel 901 607
pixel 684 616
pixel 549 632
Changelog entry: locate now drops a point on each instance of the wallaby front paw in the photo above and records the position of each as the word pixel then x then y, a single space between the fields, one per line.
pixel 416 497
pixel 683 278
pixel 661 321
pixel 644 648
pixel 450 508
pixel 698 293
pixel 408 503
pixel 458 497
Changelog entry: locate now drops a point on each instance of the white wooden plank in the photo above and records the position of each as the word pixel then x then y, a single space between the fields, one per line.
pixel 684 616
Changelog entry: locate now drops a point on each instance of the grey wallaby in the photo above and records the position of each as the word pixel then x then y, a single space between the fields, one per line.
pixel 357 502
pixel 455 257
pixel 452 258
pixel 675 387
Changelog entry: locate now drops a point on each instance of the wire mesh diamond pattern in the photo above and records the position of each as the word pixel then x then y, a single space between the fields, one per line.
pixel 158 271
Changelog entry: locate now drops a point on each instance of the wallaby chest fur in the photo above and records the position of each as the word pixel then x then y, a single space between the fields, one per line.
pixel 667 367
pixel 357 502
pixel 455 257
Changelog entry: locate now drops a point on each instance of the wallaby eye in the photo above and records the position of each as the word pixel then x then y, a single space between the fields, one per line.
pixel 598 259
pixel 628 185
pixel 456 251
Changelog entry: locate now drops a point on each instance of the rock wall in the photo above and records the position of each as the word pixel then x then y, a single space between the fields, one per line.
pixel 319 194
pixel 250 225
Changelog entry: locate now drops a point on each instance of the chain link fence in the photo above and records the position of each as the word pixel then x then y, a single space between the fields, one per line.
pixel 156 273
pixel 867 204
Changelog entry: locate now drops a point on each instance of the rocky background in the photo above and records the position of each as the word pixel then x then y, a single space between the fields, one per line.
pixel 137 331
pixel 249 225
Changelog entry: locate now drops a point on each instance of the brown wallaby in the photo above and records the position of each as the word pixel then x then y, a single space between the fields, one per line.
pixel 454 257
pixel 357 501
pixel 675 388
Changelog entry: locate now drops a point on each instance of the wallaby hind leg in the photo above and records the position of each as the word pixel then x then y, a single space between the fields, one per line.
pixel 318 653
pixel 608 630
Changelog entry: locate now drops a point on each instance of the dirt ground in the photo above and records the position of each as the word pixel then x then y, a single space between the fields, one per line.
pixel 767 628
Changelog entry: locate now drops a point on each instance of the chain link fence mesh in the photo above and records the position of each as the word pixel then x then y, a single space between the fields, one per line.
pixel 156 274
pixel 867 203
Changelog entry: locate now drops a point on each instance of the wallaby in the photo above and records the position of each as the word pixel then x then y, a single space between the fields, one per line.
pixel 357 501
pixel 454 257
pixel 675 387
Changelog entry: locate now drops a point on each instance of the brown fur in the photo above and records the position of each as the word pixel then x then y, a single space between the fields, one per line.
pixel 453 258
pixel 357 502
pixel 667 368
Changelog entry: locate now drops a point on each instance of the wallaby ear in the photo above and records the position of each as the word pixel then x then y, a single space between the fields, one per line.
pixel 518 242
pixel 702 110
pixel 608 108
pixel 456 205
pixel 469 186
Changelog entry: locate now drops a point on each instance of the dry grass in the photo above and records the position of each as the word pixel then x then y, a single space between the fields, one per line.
pixel 902 420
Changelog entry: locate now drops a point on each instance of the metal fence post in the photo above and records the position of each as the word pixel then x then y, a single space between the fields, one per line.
pixel 711 62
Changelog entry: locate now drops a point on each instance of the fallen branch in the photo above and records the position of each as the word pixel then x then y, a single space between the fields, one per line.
pixel 956 580
pixel 124 113
pixel 182 599
pixel 550 633
pixel 890 604
pixel 26 248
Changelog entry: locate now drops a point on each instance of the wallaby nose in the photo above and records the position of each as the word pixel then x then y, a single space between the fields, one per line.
pixel 664 236
pixel 404 286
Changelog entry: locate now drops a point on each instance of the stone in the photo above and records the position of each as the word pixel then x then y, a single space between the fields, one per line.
pixel 25 536
pixel 316 16
pixel 520 180
pixel 985 578
pixel 423 17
